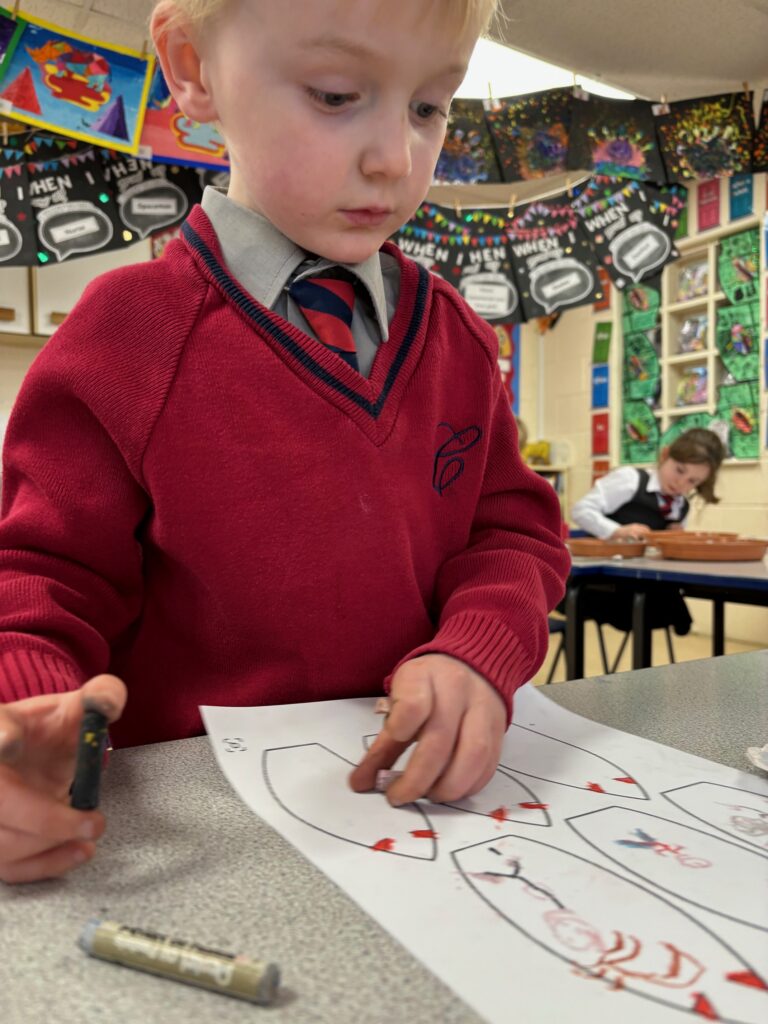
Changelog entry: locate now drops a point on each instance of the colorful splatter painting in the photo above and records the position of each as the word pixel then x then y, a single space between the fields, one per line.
pixel 467 156
pixel 615 138
pixel 168 136
pixel 531 133
pixel 760 147
pixel 77 86
pixel 709 137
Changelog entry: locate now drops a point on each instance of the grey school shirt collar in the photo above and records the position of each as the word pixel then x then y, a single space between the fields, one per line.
pixel 264 260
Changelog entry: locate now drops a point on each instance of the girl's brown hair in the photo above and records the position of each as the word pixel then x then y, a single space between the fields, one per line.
pixel 700 447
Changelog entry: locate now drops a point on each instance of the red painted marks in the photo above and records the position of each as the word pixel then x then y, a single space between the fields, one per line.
pixel 424 833
pixel 595 787
pixel 500 814
pixel 387 845
pixel 703 1007
pixel 626 778
pixel 531 806
pixel 747 978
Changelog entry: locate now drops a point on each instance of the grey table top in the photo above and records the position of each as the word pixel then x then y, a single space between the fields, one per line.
pixel 182 855
pixel 746 574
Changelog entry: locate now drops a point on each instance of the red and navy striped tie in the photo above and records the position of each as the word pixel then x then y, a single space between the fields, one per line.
pixel 327 304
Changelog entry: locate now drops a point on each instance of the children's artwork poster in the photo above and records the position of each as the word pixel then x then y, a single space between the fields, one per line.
pixel 468 156
pixel 708 204
pixel 74 210
pixel 600 386
pixel 68 83
pixel 740 195
pixel 554 263
pixel 738 405
pixel 150 196
pixel 738 266
pixel 508 336
pixel 632 238
pixel 640 306
pixel 601 343
pixel 616 138
pixel 598 876
pixel 169 136
pixel 692 386
pixel 473 255
pixel 690 421
pixel 760 147
pixel 738 339
pixel 639 432
pixel 603 298
pixel 708 137
pixel 531 133
pixel 11 29
pixel 642 371
pixel 600 435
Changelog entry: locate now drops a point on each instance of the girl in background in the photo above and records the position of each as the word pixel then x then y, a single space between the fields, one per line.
pixel 629 503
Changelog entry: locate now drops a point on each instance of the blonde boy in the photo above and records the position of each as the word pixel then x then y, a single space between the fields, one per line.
pixel 203 498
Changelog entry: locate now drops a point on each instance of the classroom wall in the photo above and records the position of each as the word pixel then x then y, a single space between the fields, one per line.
pixel 564 414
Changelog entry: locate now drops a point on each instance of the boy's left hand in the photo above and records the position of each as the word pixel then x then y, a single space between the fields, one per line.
pixel 458 721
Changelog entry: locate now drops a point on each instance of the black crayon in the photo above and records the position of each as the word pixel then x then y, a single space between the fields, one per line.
pixel 84 795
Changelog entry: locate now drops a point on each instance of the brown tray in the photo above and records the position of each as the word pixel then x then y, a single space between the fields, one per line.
pixel 715 550
pixel 700 535
pixel 595 548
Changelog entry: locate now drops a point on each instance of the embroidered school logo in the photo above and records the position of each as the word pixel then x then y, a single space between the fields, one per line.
pixel 449 464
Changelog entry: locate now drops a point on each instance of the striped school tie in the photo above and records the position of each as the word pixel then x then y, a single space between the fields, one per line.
pixel 327 304
pixel 665 503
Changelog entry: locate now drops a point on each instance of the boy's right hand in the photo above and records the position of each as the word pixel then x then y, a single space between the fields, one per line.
pixel 41 836
pixel 632 531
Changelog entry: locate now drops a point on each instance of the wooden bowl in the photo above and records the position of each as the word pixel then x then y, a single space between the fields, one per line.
pixel 714 550
pixel 595 548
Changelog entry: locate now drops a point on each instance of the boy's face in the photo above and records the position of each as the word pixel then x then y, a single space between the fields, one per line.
pixel 334 112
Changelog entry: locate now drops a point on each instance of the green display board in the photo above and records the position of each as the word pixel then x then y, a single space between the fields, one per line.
pixel 738 339
pixel 738 404
pixel 639 432
pixel 738 266
pixel 640 307
pixel 641 372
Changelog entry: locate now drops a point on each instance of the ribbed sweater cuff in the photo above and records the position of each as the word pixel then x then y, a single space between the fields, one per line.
pixel 29 673
pixel 487 646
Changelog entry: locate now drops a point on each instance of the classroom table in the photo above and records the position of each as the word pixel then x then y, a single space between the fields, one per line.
pixel 718 582
pixel 182 855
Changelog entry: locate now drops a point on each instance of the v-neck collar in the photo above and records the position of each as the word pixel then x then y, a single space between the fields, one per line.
pixel 371 402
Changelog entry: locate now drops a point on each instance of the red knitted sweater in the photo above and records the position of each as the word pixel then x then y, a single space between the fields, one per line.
pixel 202 499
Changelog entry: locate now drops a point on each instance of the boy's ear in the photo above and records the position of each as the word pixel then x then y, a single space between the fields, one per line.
pixel 177 51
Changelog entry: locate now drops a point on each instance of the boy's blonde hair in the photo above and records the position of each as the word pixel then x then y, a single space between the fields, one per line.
pixel 469 15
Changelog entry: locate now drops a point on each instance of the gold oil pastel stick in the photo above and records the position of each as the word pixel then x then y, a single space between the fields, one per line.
pixel 231 975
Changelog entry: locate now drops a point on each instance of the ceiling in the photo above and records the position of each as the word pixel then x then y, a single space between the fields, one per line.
pixel 672 48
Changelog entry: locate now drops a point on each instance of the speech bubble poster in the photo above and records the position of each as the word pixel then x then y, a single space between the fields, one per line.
pixel 472 255
pixel 169 136
pixel 150 197
pixel 71 84
pixel 18 243
pixel 554 263
pixel 632 236
pixel 615 138
pixel 75 213
pixel 531 133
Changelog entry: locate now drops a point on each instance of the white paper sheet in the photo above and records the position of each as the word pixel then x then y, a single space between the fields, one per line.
pixel 599 876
